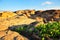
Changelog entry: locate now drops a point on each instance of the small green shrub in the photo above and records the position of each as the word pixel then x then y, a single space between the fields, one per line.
pixel 48 30
pixel 51 30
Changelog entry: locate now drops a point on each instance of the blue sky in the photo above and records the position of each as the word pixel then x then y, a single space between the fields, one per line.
pixel 29 4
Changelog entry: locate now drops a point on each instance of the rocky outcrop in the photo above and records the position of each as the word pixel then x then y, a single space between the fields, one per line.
pixel 14 21
pixel 26 13
pixel 29 17
pixel 49 14
pixel 8 19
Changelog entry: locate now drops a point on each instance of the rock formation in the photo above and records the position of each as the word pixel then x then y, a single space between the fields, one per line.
pixel 8 19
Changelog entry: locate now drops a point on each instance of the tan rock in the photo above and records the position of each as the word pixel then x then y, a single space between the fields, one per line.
pixel 39 19
pixel 56 14
pixel 4 24
pixel 19 12
pixel 32 11
pixel 3 27
pixel 7 14
pixel 13 36
pixel 2 33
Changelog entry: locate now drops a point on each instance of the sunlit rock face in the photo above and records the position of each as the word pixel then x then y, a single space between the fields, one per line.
pixel 26 13
pixel 47 15
pixel 28 17
pixel 9 18
pixel 7 14
pixel 11 35
pixel 19 12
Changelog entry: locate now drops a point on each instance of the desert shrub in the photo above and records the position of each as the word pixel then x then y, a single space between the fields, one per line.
pixel 45 31
pixel 20 28
pixel 49 30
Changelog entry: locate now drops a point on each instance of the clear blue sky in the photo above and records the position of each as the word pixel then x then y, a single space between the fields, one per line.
pixel 29 4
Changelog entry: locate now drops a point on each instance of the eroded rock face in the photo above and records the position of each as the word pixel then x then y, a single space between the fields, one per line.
pixel 8 19
pixel 20 12
pixel 49 14
pixel 26 13
pixel 29 16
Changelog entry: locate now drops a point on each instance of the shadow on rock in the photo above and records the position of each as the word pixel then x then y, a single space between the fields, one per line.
pixel 25 32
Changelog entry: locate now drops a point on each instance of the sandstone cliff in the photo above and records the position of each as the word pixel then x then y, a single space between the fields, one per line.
pixel 8 19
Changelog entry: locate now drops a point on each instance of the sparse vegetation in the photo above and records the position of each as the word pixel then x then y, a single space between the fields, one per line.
pixel 44 31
